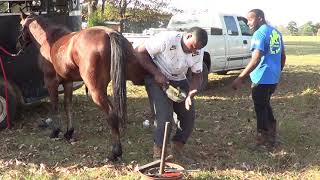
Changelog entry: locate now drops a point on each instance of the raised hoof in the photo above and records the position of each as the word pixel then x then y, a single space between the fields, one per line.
pixel 68 134
pixel 55 133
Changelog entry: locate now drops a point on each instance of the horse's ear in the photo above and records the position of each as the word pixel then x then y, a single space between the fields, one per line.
pixel 23 15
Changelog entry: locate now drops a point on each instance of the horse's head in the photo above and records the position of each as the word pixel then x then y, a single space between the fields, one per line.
pixel 24 38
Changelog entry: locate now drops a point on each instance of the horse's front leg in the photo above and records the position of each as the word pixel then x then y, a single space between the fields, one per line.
pixel 52 85
pixel 68 89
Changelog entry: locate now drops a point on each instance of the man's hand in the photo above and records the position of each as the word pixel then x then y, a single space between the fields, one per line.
pixel 188 101
pixel 161 80
pixel 256 56
pixel 236 84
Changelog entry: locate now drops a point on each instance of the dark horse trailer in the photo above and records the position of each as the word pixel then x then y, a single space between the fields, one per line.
pixel 25 80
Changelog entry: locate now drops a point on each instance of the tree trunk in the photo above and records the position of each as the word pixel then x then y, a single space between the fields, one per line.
pixel 103 6
pixel 94 5
pixel 122 12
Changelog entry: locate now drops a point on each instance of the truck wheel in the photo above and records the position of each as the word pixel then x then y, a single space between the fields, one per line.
pixel 205 73
pixel 12 103
pixel 222 72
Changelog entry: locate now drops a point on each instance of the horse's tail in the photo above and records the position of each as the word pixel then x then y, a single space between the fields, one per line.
pixel 119 50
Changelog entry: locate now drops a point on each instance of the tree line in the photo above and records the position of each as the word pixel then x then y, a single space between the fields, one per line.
pixel 307 29
pixel 133 15
pixel 137 15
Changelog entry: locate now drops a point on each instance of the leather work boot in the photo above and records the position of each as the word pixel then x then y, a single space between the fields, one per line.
pixel 177 152
pixel 261 143
pixel 156 152
pixel 272 135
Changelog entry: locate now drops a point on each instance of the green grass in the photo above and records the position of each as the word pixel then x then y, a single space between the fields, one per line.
pixel 225 125
pixel 303 45
pixel 306 39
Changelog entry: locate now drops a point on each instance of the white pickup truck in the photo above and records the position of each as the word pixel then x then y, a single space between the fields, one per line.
pixel 228 45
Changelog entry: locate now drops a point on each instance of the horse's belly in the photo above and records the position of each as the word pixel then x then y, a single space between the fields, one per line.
pixel 72 75
pixel 69 73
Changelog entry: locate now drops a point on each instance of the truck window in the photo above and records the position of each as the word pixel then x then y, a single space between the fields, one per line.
pixel 245 30
pixel 231 25
pixel 215 31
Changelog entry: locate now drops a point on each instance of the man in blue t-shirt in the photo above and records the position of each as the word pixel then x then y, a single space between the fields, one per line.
pixel 267 62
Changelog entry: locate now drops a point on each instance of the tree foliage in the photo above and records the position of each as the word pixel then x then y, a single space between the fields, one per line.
pixel 293 28
pixel 133 15
pixel 137 15
pixel 144 12
pixel 95 19
pixel 283 30
pixel 308 29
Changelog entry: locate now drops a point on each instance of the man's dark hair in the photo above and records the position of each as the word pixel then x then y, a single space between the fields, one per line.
pixel 259 13
pixel 201 35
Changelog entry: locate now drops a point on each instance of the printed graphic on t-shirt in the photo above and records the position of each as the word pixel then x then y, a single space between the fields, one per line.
pixel 195 54
pixel 275 42
pixel 173 47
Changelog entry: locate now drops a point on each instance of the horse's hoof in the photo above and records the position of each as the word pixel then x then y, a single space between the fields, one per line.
pixel 68 134
pixel 113 158
pixel 116 154
pixel 55 133
pixel 42 124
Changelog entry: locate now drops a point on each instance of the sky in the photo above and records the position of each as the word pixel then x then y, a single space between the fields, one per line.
pixel 277 12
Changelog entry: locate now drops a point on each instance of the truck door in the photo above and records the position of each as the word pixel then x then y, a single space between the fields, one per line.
pixel 216 47
pixel 246 39
pixel 234 43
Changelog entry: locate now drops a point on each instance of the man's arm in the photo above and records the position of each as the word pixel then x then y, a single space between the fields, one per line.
pixel 195 84
pixel 255 59
pixel 145 61
pixel 283 58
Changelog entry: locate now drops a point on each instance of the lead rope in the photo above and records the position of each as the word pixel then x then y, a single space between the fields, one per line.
pixel 6 81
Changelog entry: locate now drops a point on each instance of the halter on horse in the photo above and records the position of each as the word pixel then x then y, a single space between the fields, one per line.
pixel 95 55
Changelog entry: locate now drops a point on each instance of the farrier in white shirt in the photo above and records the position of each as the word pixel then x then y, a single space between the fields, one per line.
pixel 166 51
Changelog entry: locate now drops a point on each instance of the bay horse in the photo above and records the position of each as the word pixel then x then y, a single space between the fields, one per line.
pixel 95 55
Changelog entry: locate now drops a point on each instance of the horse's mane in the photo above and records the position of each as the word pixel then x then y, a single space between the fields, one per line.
pixel 54 31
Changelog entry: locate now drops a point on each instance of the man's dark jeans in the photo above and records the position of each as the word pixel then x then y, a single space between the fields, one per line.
pixel 261 94
pixel 163 109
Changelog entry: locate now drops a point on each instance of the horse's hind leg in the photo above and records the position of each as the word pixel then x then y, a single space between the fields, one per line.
pixel 68 88
pixel 52 85
pixel 99 96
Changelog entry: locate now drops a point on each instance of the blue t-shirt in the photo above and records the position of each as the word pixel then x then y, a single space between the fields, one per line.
pixel 269 41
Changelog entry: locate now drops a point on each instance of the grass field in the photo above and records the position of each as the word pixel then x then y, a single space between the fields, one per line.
pixel 225 124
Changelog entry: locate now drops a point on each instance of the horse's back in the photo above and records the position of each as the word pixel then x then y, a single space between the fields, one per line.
pixel 91 49
pixel 135 72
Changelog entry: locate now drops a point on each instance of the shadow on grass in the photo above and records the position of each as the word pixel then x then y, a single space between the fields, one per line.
pixel 225 124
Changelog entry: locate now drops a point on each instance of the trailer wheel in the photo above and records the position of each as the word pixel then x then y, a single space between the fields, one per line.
pixel 12 104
